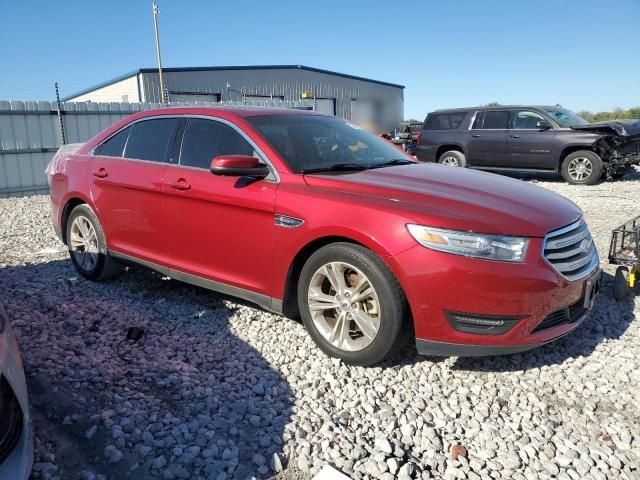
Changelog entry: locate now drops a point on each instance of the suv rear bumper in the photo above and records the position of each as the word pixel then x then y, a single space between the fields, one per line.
pixel 425 153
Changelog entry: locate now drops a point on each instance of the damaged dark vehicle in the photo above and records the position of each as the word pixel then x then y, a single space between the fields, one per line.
pixel 531 139
pixel 618 145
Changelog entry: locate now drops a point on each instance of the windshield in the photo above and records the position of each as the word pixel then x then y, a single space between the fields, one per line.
pixel 565 118
pixel 315 143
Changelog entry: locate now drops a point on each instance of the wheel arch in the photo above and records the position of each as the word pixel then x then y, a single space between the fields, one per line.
pixel 447 147
pixel 290 290
pixel 568 150
pixel 289 301
pixel 70 203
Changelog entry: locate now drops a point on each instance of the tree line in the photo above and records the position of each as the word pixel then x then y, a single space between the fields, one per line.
pixel 618 113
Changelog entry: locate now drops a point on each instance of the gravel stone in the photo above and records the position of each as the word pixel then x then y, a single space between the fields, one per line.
pixel 214 381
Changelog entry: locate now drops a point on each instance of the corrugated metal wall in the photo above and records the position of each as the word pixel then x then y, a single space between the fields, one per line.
pixel 30 134
pixel 386 100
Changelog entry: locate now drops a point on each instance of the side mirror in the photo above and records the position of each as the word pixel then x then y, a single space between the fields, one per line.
pixel 238 166
pixel 543 125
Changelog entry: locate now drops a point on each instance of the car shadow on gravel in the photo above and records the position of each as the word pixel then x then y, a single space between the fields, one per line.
pixel 189 399
pixel 609 320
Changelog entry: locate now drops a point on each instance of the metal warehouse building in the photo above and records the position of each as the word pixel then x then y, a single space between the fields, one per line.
pixel 360 100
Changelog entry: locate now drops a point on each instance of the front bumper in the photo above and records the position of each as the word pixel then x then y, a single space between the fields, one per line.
pixel 437 283
pixel 17 465
pixel 443 349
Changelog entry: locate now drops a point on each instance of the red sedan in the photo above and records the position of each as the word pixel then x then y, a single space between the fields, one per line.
pixel 310 216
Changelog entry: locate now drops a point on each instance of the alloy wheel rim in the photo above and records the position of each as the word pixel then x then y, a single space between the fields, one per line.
pixel 580 168
pixel 450 161
pixel 344 306
pixel 83 243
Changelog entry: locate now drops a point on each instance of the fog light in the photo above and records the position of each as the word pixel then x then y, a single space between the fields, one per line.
pixel 482 324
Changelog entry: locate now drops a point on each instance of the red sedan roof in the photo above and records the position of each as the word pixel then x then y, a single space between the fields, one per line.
pixel 240 111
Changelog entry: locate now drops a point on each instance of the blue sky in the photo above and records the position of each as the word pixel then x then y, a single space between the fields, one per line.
pixel 581 54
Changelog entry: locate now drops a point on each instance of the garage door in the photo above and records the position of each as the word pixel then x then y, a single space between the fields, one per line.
pixel 194 97
pixel 326 105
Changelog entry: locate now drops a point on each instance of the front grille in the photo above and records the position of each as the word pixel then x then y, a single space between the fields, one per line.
pixel 571 251
pixel 10 420
pixel 568 314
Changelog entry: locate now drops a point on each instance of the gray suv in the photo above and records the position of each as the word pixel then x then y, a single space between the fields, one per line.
pixel 531 139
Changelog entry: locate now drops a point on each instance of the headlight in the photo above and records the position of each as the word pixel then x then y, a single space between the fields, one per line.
pixel 490 247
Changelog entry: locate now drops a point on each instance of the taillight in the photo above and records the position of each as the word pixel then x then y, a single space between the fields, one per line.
pixel 419 139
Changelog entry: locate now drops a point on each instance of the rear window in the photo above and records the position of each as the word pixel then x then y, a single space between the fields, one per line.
pixel 114 146
pixel 443 121
pixel 495 120
pixel 149 139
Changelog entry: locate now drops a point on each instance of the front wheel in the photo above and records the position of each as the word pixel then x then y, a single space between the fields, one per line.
pixel 582 168
pixel 352 305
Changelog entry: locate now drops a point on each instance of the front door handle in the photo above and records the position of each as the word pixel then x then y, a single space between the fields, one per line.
pixel 475 135
pixel 180 184
pixel 514 136
pixel 100 173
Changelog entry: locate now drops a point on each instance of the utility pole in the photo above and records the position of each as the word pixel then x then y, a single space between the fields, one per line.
pixel 156 10
pixel 60 122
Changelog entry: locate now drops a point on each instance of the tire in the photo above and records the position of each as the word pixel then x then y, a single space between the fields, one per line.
pixel 453 158
pixel 620 283
pixel 385 311
pixel 99 266
pixel 411 150
pixel 582 168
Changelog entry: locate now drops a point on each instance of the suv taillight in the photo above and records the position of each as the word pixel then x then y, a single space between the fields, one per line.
pixel 419 139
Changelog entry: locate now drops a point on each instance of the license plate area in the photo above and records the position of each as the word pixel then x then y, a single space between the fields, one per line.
pixel 592 287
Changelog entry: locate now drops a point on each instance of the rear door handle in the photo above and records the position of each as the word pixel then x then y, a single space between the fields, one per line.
pixel 180 184
pixel 475 135
pixel 100 173
pixel 514 136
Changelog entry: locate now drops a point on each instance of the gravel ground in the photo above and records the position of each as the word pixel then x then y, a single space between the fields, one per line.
pixel 219 389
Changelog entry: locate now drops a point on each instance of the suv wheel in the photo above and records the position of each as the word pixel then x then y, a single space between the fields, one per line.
pixel 351 304
pixel 453 158
pixel 88 247
pixel 582 168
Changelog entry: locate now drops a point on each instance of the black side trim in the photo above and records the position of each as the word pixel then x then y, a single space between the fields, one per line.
pixel 268 303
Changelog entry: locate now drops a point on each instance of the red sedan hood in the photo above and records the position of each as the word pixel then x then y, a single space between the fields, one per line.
pixel 458 198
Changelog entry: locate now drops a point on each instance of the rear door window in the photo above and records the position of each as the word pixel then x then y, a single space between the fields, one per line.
pixel 149 139
pixel 495 120
pixel 205 139
pixel 114 146
pixel 443 121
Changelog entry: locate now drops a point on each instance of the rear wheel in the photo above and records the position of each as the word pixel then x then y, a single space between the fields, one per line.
pixel 88 247
pixel 453 158
pixel 621 283
pixel 582 168
pixel 351 304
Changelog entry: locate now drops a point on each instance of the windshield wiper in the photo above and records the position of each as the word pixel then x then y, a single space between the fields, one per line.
pixel 397 161
pixel 336 167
